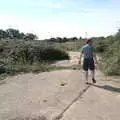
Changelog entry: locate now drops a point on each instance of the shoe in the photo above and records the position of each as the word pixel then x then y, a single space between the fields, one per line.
pixel 94 81
pixel 87 83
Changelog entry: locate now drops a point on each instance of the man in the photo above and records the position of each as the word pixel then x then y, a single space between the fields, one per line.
pixel 88 52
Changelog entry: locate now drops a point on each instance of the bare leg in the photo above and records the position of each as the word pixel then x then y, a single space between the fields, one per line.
pixel 86 76
pixel 93 76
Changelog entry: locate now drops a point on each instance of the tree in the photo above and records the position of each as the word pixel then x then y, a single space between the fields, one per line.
pixel 52 40
pixel 22 36
pixel 118 33
pixel 74 39
pixel 80 38
pixel 59 39
pixel 30 36
pixel 65 39
pixel 13 33
pixel 3 34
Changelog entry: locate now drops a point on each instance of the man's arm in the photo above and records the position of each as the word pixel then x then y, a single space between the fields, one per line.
pixel 94 55
pixel 95 58
pixel 80 57
pixel 81 54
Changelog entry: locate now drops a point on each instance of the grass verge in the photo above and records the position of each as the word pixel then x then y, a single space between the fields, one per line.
pixel 18 69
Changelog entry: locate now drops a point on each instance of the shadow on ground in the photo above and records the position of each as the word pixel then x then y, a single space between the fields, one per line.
pixel 108 87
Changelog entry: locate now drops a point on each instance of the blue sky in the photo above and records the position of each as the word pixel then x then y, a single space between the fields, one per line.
pixel 64 18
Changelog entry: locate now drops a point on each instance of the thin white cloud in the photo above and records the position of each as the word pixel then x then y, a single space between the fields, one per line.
pixel 53 5
pixel 32 3
pixel 46 4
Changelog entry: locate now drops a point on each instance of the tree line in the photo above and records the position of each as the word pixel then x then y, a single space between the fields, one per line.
pixel 16 34
pixel 12 33
pixel 62 40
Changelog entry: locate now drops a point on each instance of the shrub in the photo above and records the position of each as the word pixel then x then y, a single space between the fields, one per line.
pixel 28 56
pixel 32 54
pixel 111 56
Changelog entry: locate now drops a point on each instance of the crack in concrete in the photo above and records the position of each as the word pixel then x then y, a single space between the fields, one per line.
pixel 81 93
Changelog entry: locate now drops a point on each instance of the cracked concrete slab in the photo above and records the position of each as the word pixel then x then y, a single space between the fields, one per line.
pixel 42 93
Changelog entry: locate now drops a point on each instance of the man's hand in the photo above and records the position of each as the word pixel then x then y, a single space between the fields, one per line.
pixel 95 58
pixel 80 59
pixel 96 62
pixel 79 62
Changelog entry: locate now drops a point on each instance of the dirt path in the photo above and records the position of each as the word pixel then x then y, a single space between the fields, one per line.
pixel 59 95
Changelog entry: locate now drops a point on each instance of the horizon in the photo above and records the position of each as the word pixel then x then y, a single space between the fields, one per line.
pixel 53 18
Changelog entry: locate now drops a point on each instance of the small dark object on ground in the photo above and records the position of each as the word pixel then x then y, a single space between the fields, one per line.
pixel 63 84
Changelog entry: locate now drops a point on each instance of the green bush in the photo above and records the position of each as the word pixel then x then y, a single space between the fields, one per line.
pixel 51 54
pixel 32 54
pixel 6 67
pixel 2 69
pixel 100 46
pixel 28 56
pixel 111 56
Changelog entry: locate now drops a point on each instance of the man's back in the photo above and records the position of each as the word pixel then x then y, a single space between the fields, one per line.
pixel 88 50
pixel 88 62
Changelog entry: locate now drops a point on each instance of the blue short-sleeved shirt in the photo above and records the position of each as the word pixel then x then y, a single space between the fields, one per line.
pixel 88 51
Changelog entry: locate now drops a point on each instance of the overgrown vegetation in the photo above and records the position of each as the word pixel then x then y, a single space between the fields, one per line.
pixel 109 48
pixel 28 56
pixel 19 54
